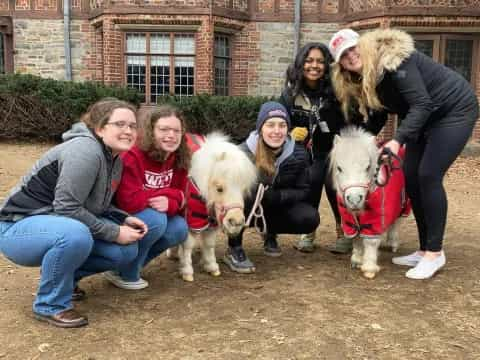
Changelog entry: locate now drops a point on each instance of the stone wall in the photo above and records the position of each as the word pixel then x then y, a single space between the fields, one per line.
pixel 276 52
pixel 82 41
pixel 40 48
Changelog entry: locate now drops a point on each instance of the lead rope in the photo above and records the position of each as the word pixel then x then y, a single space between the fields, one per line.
pixel 257 212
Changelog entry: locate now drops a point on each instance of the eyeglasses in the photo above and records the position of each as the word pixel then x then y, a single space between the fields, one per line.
pixel 123 125
pixel 166 130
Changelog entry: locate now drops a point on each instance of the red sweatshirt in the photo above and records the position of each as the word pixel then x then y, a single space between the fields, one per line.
pixel 144 178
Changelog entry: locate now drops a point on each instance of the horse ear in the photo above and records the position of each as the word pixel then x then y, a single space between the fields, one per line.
pixel 222 156
pixel 336 139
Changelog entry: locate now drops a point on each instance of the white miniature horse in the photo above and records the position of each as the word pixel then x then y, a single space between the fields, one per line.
pixel 223 175
pixel 360 186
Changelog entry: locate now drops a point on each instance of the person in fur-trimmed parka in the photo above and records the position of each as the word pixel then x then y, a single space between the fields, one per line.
pixel 437 111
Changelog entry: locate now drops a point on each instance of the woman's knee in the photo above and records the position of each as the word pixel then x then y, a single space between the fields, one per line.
pixel 156 222
pixel 78 239
pixel 177 231
pixel 306 217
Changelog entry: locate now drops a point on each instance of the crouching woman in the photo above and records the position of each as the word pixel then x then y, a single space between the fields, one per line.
pixel 60 217
pixel 152 188
pixel 283 170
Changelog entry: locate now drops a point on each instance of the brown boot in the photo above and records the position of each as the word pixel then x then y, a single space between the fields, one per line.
pixel 64 319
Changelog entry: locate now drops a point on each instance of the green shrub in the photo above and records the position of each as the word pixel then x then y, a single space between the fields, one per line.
pixel 32 107
pixel 233 115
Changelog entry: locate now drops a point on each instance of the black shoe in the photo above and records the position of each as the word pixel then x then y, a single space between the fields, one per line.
pixel 270 245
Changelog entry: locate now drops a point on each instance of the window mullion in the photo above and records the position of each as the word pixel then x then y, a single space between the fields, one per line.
pixel 147 70
pixel 172 64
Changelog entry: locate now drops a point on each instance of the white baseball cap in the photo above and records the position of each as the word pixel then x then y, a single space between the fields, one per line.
pixel 341 41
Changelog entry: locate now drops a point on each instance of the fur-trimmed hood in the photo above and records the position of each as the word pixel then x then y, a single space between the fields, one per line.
pixel 381 50
pixel 387 48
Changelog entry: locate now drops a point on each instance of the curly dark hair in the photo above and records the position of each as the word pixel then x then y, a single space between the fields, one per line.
pixel 294 80
pixel 146 141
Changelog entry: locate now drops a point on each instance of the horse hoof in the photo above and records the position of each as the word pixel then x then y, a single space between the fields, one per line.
pixel 369 275
pixel 215 273
pixel 354 266
pixel 187 277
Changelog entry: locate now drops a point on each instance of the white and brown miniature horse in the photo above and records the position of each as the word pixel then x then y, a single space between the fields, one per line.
pixel 221 175
pixel 371 195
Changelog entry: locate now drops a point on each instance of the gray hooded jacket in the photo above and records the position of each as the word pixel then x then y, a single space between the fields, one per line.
pixel 76 179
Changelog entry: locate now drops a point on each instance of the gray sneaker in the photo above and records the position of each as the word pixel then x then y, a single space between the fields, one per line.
pixel 236 259
pixel 305 243
pixel 343 245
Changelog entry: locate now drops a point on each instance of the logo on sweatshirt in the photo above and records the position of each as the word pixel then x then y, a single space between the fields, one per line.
pixel 161 180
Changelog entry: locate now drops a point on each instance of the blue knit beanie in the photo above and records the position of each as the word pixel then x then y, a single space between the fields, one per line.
pixel 270 110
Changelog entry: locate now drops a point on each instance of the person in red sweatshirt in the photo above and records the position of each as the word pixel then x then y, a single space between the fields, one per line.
pixel 152 187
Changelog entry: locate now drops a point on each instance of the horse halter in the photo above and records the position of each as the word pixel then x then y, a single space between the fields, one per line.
pixel 222 210
pixel 385 160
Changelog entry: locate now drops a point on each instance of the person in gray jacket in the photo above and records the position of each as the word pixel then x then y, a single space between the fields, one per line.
pixel 60 216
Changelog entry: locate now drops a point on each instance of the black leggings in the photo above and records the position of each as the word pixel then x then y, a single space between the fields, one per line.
pixel 299 218
pixel 321 178
pixel 426 163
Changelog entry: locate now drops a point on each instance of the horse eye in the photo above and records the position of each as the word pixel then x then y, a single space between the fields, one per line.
pixel 368 168
pixel 339 169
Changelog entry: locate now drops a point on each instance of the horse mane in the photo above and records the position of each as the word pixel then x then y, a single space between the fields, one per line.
pixel 350 141
pixel 219 157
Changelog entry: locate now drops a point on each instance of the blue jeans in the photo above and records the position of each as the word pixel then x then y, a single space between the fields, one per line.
pixel 163 233
pixel 65 251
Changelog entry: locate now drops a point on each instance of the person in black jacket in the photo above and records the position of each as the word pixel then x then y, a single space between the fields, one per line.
pixel 316 118
pixel 283 170
pixel 437 109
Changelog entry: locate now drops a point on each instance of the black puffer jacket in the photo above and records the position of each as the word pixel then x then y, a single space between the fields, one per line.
pixel 291 181
pixel 318 113
pixel 422 93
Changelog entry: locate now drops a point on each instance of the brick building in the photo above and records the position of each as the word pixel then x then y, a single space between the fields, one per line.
pixel 225 47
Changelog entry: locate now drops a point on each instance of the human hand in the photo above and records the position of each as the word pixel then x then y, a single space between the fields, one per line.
pixel 299 133
pixel 159 203
pixel 393 145
pixel 137 224
pixel 128 235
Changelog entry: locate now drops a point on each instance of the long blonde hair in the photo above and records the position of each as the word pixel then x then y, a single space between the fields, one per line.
pixel 265 158
pixel 380 50
pixel 350 87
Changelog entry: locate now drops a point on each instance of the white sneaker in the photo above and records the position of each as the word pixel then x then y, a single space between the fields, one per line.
pixel 408 260
pixel 116 280
pixel 426 268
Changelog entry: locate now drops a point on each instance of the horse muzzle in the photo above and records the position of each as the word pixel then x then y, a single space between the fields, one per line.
pixel 355 200
pixel 232 219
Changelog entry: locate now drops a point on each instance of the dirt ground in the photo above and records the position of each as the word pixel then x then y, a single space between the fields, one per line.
pixel 298 306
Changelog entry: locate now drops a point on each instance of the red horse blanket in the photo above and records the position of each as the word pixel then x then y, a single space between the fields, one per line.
pixel 196 212
pixel 383 206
